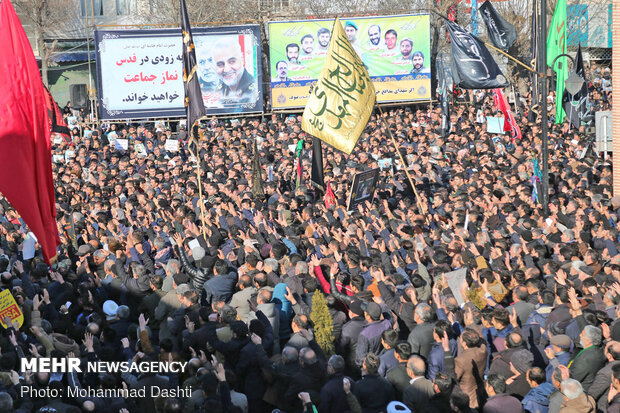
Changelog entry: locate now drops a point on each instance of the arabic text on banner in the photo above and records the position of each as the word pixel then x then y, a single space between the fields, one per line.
pixel 343 98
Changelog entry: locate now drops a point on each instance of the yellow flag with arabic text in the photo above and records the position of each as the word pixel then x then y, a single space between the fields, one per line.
pixel 341 102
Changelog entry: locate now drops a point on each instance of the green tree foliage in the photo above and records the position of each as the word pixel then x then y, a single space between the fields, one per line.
pixel 323 325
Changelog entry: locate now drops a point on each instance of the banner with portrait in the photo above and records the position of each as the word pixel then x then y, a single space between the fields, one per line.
pixel 140 72
pixel 394 49
pixel 363 188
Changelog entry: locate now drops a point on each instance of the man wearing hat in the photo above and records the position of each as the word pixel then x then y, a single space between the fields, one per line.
pixel 520 362
pixel 350 29
pixel 350 333
pixel 558 353
pixel 369 340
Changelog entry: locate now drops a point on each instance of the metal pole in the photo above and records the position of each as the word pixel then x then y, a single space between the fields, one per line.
pixel 93 101
pixel 604 125
pixel 542 54
pixel 423 211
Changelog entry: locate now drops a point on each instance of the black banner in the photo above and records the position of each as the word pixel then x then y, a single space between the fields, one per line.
pixel 257 179
pixel 444 98
pixel 194 106
pixel 473 66
pixel 502 34
pixel 576 106
pixel 317 164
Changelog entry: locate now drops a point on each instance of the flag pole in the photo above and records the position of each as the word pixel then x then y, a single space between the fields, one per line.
pixel 192 135
pixel 402 160
pixel 194 105
pixel 514 59
pixel 495 48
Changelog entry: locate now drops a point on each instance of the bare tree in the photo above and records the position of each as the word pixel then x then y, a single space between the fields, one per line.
pixel 44 16
pixel 213 11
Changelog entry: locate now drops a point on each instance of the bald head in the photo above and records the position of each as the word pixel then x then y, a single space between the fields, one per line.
pixel 613 351
pixel 307 356
pixel 289 355
pixel 416 367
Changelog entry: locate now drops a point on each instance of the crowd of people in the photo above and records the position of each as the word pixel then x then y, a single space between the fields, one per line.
pixel 472 299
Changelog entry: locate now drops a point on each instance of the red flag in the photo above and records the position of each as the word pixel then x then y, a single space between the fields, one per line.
pixel 330 198
pixel 57 122
pixel 510 123
pixel 25 147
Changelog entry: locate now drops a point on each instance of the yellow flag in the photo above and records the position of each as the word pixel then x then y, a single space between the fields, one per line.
pixel 10 309
pixel 342 100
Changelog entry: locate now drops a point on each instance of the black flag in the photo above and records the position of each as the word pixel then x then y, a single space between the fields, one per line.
pixel 257 181
pixel 577 106
pixel 194 105
pixel 473 66
pixel 502 34
pixel 317 164
pixel 444 98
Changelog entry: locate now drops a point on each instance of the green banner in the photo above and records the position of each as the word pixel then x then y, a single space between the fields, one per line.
pixel 394 49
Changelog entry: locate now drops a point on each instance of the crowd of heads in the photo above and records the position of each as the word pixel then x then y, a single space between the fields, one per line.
pixel 464 294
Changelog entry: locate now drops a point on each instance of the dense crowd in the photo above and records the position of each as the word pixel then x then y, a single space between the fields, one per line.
pixel 476 302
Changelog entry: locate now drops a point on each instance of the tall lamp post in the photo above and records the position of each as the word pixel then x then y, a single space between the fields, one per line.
pixel 573 85
pixel 542 56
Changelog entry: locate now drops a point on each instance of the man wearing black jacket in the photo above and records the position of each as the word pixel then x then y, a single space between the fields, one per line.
pixel 333 397
pixel 373 391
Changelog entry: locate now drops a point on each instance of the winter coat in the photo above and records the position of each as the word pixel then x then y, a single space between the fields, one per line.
pixel 586 364
pixel 220 287
pixel 421 339
pixel 537 399
pixel 369 340
pixel 582 404
pixel 239 302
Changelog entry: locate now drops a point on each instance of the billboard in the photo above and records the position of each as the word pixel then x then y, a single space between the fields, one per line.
pixel 395 50
pixel 140 72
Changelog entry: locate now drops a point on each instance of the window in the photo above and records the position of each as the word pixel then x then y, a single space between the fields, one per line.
pixel 91 7
pixel 274 5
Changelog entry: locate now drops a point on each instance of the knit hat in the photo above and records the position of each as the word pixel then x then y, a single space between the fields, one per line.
pixel 239 328
pixel 356 307
pixel 265 250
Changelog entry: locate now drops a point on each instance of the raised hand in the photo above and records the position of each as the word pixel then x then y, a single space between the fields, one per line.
pixel 445 342
pixel 256 339
pixel 142 322
pixel 513 318
pixel 290 296
pixel 13 338
pixel 346 385
pixel 89 342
